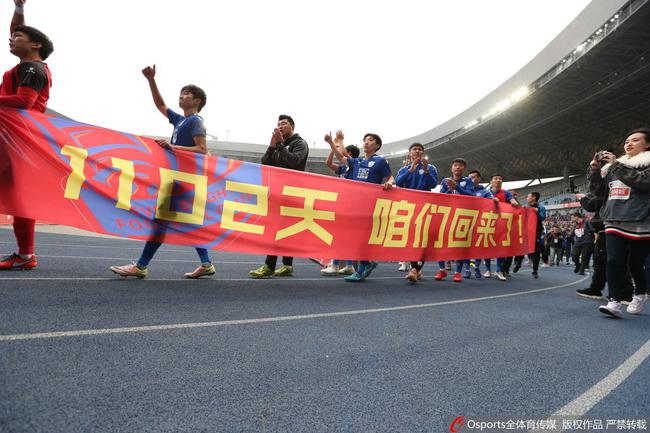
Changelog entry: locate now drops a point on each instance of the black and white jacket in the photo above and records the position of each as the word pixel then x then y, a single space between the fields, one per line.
pixel 624 187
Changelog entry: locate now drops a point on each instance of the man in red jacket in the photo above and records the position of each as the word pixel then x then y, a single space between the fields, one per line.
pixel 25 86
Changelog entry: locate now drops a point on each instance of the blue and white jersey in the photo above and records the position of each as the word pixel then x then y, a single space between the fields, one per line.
pixel 344 171
pixel 483 192
pixel 418 179
pixel 186 128
pixel 372 170
pixel 465 186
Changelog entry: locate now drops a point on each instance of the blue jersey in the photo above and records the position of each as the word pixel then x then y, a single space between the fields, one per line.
pixel 344 171
pixel 483 192
pixel 464 186
pixel 418 179
pixel 186 128
pixel 372 170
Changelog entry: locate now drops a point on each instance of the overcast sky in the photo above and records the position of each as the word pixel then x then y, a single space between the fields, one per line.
pixel 394 68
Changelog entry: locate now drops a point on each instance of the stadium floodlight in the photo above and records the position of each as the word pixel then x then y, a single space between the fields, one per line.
pixel 472 123
pixel 503 105
pixel 522 92
pixel 580 47
pixel 616 16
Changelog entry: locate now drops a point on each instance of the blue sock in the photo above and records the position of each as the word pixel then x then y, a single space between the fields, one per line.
pixel 148 252
pixel 203 255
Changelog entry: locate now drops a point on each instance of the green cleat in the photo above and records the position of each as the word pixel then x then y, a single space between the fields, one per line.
pixel 369 268
pixel 355 278
pixel 284 271
pixel 261 272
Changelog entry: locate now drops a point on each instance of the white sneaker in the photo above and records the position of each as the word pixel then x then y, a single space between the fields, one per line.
pixel 544 265
pixel 330 270
pixel 636 306
pixel 500 276
pixel 613 308
pixel 348 270
pixel 404 266
pixel 487 274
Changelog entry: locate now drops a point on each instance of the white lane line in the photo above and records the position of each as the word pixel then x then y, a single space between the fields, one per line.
pixel 594 395
pixel 122 247
pixel 217 262
pixel 117 278
pixel 46 335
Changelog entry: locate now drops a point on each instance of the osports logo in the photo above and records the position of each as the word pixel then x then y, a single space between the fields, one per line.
pixel 457 424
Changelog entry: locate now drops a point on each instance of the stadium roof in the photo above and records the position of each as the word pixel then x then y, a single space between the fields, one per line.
pixel 594 88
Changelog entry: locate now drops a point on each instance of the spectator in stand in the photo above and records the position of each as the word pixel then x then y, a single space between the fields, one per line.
pixel 624 185
pixel 420 175
pixel 583 242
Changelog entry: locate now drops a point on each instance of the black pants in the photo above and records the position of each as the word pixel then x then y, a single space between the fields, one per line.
pixel 417 265
pixel 581 254
pixel 546 249
pixel 599 277
pixel 507 262
pixel 271 261
pixel 621 251
pixel 539 250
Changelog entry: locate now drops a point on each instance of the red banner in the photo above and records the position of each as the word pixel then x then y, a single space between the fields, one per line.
pixel 121 184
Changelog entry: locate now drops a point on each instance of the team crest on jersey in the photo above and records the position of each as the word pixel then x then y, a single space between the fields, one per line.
pixel 421 171
pixel 371 163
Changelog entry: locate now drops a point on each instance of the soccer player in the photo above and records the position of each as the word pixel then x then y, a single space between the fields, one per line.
pixel 456 184
pixel 344 172
pixel 372 169
pixel 25 86
pixel 504 196
pixel 189 136
pixel 483 192
pixel 420 175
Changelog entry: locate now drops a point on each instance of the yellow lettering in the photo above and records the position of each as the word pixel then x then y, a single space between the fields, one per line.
pixel 125 182
pixel 163 205
pixel 445 211
pixel 487 229
pixel 230 207
pixel 308 214
pixel 508 218
pixel 76 179
pixel 379 222
pixel 401 214
pixel 419 223
pixel 462 228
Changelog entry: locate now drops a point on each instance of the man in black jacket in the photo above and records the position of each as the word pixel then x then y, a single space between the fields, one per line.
pixel 583 245
pixel 287 150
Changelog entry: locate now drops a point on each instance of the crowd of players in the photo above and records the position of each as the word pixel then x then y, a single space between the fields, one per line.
pixel 618 188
